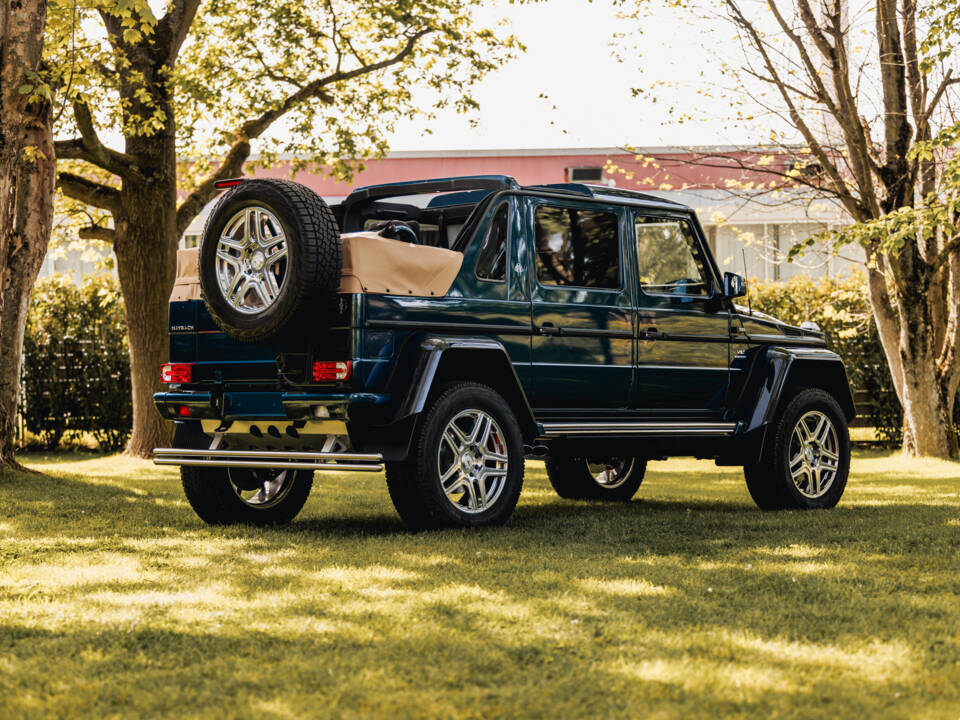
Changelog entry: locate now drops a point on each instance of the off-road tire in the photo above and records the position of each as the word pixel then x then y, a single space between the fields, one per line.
pixel 769 481
pixel 414 484
pixel 314 259
pixel 573 481
pixel 211 495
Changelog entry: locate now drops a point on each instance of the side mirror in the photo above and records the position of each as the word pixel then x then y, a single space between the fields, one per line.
pixel 734 285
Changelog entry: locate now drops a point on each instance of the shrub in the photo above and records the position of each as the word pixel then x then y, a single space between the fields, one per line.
pixel 841 308
pixel 76 375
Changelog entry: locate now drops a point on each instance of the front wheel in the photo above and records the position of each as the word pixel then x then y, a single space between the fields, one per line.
pixel 807 459
pixel 466 462
pixel 615 479
pixel 225 496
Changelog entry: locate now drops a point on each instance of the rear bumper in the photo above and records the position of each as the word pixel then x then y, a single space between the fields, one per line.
pixel 273 459
pixel 257 405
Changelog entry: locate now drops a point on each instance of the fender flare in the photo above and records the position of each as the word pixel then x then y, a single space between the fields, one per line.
pixel 776 371
pixel 432 354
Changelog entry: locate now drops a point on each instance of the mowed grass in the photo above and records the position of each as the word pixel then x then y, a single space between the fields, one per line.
pixel 115 601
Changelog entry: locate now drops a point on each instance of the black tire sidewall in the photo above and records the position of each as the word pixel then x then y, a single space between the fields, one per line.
pixel 572 479
pixel 211 495
pixel 449 404
pixel 803 402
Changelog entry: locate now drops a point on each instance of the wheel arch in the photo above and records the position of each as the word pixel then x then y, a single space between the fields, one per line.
pixel 780 373
pixel 478 359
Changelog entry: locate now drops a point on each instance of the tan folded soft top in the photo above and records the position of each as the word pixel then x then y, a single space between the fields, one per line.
pixel 371 264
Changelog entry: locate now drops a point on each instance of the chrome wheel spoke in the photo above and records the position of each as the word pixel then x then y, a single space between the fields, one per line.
pixel 491 456
pixel 275 258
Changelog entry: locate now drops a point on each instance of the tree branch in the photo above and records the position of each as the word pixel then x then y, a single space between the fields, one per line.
pixel 98 232
pixel 89 148
pixel 175 25
pixel 853 206
pixel 89 192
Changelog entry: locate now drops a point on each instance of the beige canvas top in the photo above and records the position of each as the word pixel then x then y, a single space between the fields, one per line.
pixel 187 284
pixel 375 264
pixel 371 264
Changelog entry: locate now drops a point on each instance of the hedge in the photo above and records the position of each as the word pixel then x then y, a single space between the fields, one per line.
pixel 841 308
pixel 76 376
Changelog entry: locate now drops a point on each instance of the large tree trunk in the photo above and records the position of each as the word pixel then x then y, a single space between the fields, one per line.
pixel 27 175
pixel 146 249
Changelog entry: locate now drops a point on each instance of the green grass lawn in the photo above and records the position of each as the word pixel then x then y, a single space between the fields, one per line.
pixel 115 601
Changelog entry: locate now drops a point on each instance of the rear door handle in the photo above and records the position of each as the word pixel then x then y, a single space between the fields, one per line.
pixel 548 328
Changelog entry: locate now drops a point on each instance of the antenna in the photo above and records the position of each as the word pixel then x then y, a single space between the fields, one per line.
pixel 743 253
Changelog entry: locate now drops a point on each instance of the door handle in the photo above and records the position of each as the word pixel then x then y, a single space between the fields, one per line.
pixel 651 333
pixel 548 328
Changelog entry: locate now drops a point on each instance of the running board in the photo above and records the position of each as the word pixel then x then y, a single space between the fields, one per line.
pixel 273 459
pixel 555 429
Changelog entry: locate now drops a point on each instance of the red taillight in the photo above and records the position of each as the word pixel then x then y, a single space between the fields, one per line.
pixel 175 373
pixel 332 370
pixel 184 411
pixel 220 184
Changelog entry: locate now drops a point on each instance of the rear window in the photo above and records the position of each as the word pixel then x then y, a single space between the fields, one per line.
pixel 578 248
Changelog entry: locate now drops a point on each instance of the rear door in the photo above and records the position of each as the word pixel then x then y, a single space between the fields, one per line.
pixel 683 331
pixel 582 307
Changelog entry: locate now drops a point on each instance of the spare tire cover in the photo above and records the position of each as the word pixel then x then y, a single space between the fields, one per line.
pixel 270 252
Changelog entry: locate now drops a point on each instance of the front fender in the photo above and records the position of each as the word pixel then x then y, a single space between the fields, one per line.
pixel 782 369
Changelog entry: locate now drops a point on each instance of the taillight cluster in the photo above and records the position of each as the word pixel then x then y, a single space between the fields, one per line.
pixel 175 373
pixel 331 370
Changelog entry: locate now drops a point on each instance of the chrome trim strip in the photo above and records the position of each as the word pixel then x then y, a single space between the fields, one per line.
pixel 638 428
pixel 269 459
pixel 274 464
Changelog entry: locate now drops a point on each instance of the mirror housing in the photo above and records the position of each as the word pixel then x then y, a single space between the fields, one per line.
pixel 734 285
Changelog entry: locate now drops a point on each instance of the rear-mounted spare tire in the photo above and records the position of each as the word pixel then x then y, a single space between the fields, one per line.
pixel 270 254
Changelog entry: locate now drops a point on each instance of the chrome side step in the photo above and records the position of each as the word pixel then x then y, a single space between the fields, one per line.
pixel 274 459
pixel 555 429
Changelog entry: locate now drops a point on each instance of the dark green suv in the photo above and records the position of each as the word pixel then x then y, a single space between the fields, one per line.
pixel 446 330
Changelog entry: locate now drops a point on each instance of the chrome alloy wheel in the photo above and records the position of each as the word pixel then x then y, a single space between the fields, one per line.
pixel 611 473
pixel 472 460
pixel 260 489
pixel 814 454
pixel 251 260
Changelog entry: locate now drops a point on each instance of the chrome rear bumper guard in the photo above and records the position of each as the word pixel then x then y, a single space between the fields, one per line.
pixel 273 459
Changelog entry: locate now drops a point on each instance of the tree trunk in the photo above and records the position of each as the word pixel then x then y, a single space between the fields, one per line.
pixel 927 414
pixel 146 249
pixel 27 175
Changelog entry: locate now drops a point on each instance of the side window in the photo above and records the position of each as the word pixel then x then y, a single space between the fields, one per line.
pixel 492 258
pixel 579 248
pixel 669 259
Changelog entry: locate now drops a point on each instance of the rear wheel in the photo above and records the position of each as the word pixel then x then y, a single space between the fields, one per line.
pixel 579 478
pixel 807 458
pixel 224 496
pixel 466 462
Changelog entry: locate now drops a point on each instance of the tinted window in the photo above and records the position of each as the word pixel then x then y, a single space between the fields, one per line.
pixel 492 258
pixel 669 259
pixel 577 247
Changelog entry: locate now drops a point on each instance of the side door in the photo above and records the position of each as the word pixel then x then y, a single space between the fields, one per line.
pixel 683 328
pixel 582 306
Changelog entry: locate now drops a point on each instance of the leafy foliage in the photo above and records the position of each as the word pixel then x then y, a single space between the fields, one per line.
pixel 76 375
pixel 841 307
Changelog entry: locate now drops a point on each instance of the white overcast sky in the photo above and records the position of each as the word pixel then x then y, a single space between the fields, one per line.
pixel 570 60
